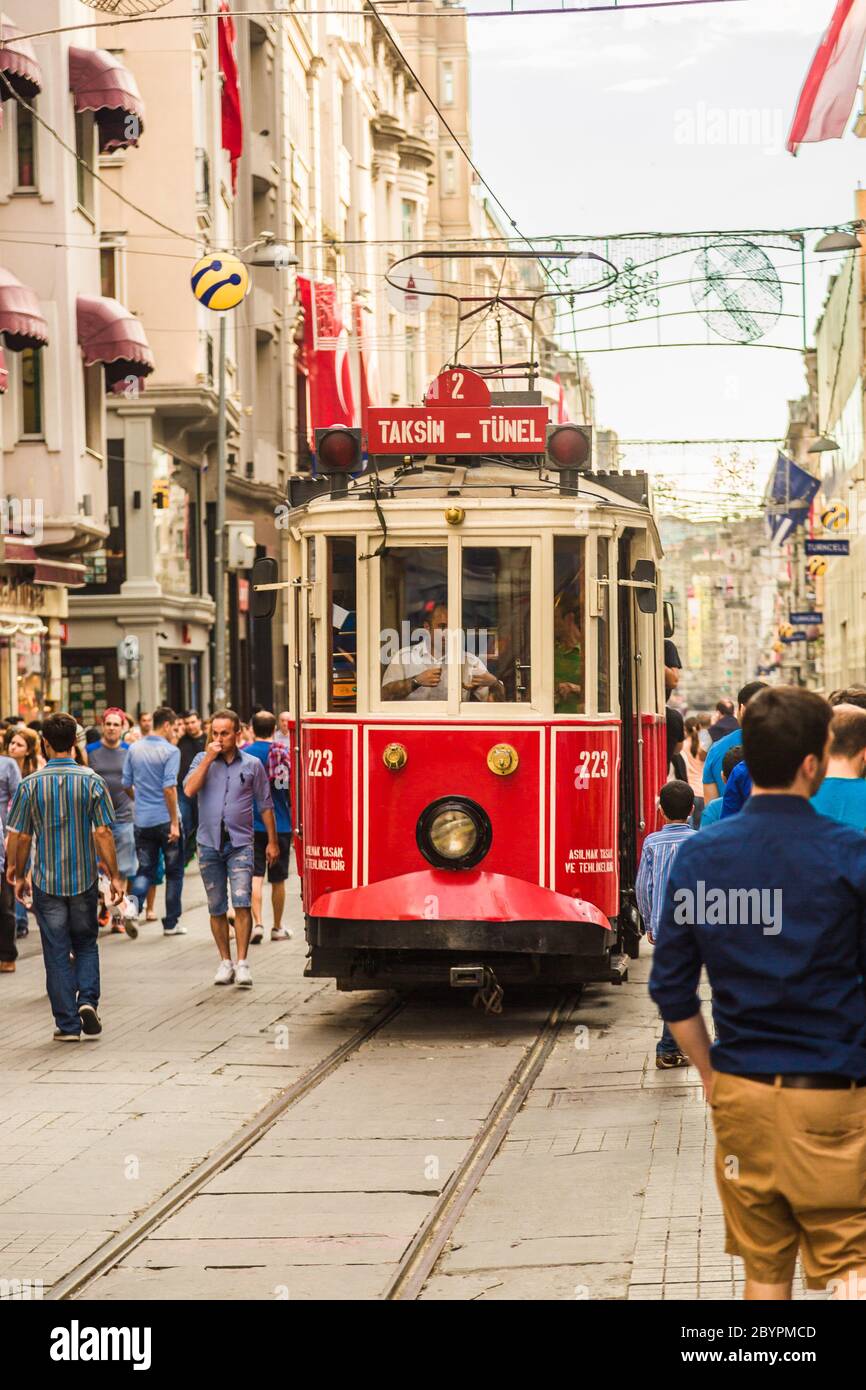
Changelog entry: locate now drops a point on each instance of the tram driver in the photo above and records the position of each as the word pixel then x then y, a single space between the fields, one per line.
pixel 416 671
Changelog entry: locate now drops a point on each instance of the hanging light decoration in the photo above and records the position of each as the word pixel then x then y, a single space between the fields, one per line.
pixel 127 7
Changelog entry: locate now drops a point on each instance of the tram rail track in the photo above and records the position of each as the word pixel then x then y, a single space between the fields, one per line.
pixel 428 1244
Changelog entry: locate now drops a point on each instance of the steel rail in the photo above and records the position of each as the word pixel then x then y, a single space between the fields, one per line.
pixel 189 1186
pixel 423 1254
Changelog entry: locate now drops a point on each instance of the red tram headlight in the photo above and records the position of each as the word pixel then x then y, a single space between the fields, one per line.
pixel 569 446
pixel 339 450
pixel 454 833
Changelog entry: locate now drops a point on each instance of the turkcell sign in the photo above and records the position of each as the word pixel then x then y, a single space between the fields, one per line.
pixel 805 619
pixel 827 547
pixel 457 430
pixel 795 637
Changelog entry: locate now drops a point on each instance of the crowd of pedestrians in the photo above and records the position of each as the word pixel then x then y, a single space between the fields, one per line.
pixel 769 899
pixel 129 805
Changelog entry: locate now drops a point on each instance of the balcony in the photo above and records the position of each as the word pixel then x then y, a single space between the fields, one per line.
pixel 265 172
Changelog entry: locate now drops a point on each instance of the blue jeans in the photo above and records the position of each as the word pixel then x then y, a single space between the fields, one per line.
pixel 188 808
pixel 149 840
pixel 69 926
pixel 667 1043
pixel 221 867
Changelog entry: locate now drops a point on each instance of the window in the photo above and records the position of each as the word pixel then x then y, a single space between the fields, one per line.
pixel 342 644
pixel 602 625
pixel 496 658
pixel 31 393
pixel 85 147
pixel 446 86
pixel 311 627
pixel 171 527
pixel 26 148
pixel 449 174
pixel 407 214
pixel 413 635
pixel 109 270
pixel 568 639
pixel 93 378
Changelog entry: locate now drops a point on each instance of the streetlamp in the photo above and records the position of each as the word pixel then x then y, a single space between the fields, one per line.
pixel 266 252
pixel 839 240
pixel 220 282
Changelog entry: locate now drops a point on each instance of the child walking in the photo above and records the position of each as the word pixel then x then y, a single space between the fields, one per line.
pixel 676 800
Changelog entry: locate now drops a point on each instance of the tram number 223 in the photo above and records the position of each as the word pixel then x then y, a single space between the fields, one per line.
pixel 320 762
pixel 590 765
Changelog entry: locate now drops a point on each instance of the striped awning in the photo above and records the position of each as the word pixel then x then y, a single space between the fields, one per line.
pixel 21 321
pixel 18 64
pixel 109 333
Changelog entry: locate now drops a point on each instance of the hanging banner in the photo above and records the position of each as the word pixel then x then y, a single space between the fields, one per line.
pixel 325 356
pixel 789 498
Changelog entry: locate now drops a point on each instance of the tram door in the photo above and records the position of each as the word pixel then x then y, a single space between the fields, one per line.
pixel 630 715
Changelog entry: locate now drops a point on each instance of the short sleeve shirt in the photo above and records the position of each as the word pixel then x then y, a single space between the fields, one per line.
pixel 60 806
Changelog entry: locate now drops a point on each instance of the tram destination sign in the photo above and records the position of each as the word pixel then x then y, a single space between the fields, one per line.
pixel 457 429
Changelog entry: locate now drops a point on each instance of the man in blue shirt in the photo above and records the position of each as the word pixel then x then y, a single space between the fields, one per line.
pixel 676 802
pixel 229 784
pixel 275 759
pixel 773 903
pixel 150 779
pixel 842 794
pixel 713 763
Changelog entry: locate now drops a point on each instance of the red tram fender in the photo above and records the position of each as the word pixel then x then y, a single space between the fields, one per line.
pixel 468 895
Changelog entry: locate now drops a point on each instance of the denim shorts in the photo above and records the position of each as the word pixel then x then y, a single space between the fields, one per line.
pixel 124 844
pixel 219 868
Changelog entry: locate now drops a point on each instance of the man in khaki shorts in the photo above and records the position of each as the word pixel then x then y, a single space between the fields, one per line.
pixel 773 903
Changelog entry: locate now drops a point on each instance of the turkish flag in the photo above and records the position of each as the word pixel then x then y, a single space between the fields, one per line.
pixel 832 80
pixel 325 356
pixel 369 376
pixel 230 99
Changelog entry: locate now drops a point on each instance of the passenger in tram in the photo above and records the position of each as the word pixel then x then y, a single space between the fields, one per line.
pixel 417 671
pixel 567 655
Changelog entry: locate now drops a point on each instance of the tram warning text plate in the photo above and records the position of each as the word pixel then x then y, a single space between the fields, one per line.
pixel 457 430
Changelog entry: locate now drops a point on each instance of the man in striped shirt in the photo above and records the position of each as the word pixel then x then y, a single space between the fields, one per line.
pixel 64 812
pixel 676 800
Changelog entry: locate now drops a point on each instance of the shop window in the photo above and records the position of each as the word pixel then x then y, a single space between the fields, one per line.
pixel 32 426
pixel 342 607
pixel 495 623
pixel 413 617
pixel 25 139
pixel 569 694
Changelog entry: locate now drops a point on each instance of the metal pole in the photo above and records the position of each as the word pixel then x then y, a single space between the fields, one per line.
pixel 219 678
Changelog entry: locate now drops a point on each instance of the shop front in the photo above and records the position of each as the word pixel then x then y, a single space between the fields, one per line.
pixel 31 627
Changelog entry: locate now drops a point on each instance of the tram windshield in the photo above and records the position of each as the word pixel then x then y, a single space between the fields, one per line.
pixel 569 694
pixel 424 645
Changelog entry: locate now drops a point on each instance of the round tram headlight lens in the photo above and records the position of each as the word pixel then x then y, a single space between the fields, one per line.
pixel 454 833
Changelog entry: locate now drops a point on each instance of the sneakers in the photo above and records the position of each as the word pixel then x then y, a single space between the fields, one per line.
pixel 7 967
pixel 281 933
pixel 91 1026
pixel 174 931
pixel 243 978
pixel 130 926
pixel 666 1060
pixel 65 1037
pixel 225 973
pixel 257 934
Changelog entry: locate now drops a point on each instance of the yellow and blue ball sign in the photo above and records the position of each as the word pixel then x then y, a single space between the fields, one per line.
pixel 835 518
pixel 220 280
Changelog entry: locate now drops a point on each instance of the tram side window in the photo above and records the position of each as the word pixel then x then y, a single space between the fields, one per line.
pixel 496 656
pixel 569 692
pixel 413 619
pixel 311 627
pixel 602 625
pixel 342 630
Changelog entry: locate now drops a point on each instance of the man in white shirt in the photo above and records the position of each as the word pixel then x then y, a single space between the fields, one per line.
pixel 418 672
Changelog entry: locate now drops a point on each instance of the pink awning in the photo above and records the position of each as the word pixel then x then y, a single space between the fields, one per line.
pixel 109 333
pixel 4 372
pixel 100 83
pixel 68 572
pixel 18 63
pixel 21 321
pixel 19 552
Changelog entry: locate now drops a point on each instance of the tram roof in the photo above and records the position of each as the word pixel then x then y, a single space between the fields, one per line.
pixel 430 480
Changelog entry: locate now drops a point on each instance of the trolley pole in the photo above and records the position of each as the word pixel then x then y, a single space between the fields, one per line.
pixel 219 681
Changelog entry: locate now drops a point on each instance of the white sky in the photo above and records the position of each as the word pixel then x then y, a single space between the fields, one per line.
pixel 578 124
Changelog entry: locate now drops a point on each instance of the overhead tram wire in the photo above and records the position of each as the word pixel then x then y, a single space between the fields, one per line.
pixel 405 13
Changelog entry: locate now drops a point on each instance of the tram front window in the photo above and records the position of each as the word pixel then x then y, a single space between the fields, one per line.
pixel 420 652
pixel 568 642
pixel 496 622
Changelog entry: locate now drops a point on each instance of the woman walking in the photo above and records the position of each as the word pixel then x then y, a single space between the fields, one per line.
pixel 695 754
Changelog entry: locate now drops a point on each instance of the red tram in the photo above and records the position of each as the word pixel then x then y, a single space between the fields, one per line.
pixel 478 700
